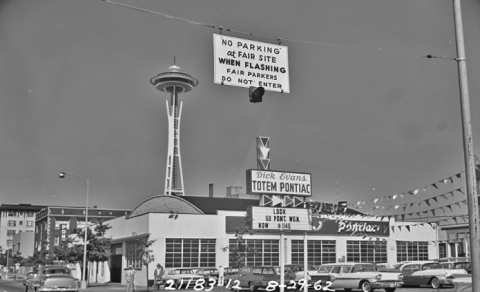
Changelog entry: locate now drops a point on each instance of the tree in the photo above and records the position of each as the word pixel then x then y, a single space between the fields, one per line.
pixel 16 257
pixel 41 256
pixel 68 251
pixel 97 243
pixel 145 252
pixel 240 250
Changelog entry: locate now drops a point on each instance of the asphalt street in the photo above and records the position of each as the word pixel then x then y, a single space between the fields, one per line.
pixel 17 286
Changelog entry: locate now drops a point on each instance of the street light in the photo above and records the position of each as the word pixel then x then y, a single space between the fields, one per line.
pixel 8 252
pixel 84 277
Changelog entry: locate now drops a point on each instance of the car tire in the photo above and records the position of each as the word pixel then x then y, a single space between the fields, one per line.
pixel 435 283
pixel 177 285
pixel 366 286
pixel 347 289
pixel 252 287
pixel 390 289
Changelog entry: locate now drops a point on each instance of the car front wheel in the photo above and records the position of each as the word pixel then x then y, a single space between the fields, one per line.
pixel 366 287
pixel 390 289
pixel 435 283
pixel 252 286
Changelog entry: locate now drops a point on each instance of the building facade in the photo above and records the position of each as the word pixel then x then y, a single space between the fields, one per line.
pixel 200 232
pixel 15 219
pixel 23 242
pixel 54 224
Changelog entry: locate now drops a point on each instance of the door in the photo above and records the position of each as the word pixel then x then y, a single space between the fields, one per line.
pixel 407 271
pixel 116 268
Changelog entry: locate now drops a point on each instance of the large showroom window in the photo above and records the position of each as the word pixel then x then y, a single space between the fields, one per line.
pixel 263 252
pixel 412 251
pixel 189 253
pixel 319 252
pixel 366 251
pixel 442 250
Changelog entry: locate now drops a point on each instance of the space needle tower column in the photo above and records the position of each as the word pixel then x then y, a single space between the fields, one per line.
pixel 173 83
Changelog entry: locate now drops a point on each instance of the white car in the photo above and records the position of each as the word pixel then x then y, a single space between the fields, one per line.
pixel 362 276
pixel 178 277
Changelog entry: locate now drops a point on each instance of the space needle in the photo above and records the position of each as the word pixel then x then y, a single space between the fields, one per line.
pixel 173 83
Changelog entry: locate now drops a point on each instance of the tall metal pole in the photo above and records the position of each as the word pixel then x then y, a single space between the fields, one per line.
pixel 84 277
pixel 468 150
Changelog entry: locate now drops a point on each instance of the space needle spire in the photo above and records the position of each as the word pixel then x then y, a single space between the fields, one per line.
pixel 173 83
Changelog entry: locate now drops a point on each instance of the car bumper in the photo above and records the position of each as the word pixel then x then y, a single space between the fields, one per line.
pixel 57 289
pixel 386 284
pixel 445 281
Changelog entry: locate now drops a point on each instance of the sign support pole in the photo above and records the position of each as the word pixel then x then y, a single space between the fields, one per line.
pixel 473 215
pixel 282 262
pixel 305 263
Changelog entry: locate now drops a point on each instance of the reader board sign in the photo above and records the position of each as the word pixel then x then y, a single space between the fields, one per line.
pixel 245 63
pixel 278 183
pixel 278 218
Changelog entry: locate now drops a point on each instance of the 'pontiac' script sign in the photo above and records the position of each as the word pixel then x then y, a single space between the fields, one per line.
pixel 278 182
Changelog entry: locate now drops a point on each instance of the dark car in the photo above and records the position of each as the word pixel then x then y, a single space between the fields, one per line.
pixel 51 278
pixel 208 273
pixel 255 277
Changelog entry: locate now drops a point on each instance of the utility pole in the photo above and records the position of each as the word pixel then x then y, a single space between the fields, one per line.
pixel 468 149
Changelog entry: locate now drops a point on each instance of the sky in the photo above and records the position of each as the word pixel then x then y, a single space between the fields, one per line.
pixel 367 116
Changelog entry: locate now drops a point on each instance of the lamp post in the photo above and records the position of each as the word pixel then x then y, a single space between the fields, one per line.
pixel 84 277
pixel 8 252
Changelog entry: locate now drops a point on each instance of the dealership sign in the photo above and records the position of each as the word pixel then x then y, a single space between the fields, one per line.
pixel 278 182
pixel 245 63
pixel 271 218
pixel 63 230
pixel 339 225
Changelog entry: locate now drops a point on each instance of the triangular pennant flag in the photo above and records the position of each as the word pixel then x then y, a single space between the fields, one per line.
pixel 425 189
pixel 465 202
pixel 449 207
pixel 411 193
pixel 427 202
pixel 435 199
pixel 451 179
pixel 396 207
pixel 399 228
pixel 444 196
pixel 451 193
pixel 460 190
pixel 411 205
pixel 418 214
pixel 433 212
pixel 394 197
pixel 434 185
pixel 408 227
pixel 458 204
pixel 458 175
pixel 403 217
pixel 375 201
pixel 383 207
pixel 415 192
pixel 401 195
pixel 404 207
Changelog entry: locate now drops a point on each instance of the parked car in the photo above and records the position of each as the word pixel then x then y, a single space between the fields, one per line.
pixel 51 278
pixel 229 273
pixel 427 273
pixel 467 266
pixel 208 273
pixel 462 284
pixel 385 267
pixel 363 276
pixel 178 277
pixel 298 270
pixel 255 277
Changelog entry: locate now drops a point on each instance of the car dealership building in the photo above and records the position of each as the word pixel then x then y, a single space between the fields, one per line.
pixel 197 231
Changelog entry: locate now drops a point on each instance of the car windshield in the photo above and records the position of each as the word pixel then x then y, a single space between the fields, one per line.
pixel 56 271
pixel 183 271
pixel 431 266
pixel 325 269
pixel 364 268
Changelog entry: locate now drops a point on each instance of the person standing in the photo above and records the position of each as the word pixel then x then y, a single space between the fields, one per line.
pixel 158 275
pixel 130 279
pixel 221 274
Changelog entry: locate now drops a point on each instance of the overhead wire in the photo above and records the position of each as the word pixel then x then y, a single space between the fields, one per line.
pixel 278 39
